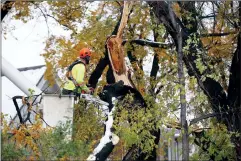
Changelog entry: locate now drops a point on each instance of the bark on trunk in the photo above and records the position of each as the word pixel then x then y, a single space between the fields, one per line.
pixel 184 125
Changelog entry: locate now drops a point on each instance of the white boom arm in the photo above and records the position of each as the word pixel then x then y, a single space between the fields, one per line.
pixel 18 79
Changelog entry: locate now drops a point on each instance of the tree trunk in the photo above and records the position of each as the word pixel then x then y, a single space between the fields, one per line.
pixel 227 113
pixel 5 8
pixel 178 29
pixel 185 142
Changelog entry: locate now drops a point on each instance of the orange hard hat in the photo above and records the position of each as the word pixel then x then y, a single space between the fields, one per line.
pixel 84 52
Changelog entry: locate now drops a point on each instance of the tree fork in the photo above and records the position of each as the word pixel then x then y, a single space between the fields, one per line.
pixel 116 51
pixel 96 74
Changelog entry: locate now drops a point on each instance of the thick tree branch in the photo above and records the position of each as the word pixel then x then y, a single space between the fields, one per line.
pixel 107 142
pixel 234 78
pixel 193 121
pixel 217 34
pixel 118 3
pixel 96 74
pixel 17 108
pixel 207 16
pixel 124 18
pixel 160 9
pixel 144 42
pixel 234 101
pixel 5 8
pixel 155 66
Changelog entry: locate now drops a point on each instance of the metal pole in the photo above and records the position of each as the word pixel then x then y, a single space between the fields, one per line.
pixel 18 79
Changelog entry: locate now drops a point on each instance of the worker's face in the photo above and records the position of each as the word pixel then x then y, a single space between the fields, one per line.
pixel 87 59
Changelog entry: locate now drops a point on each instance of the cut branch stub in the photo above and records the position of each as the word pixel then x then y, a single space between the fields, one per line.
pixel 116 56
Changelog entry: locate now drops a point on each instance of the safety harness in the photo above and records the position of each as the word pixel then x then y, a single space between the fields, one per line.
pixel 69 73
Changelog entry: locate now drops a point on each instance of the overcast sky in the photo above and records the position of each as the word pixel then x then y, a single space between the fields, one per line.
pixel 23 46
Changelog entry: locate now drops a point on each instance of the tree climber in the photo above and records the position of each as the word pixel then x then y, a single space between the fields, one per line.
pixel 76 73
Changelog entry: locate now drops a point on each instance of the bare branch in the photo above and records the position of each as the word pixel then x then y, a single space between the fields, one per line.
pixel 163 75
pixel 159 89
pixel 45 17
pixel 144 42
pixel 61 23
pixel 41 118
pixel 193 121
pixel 17 108
pixel 218 34
pixel 118 3
pixel 124 18
pixel 207 16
